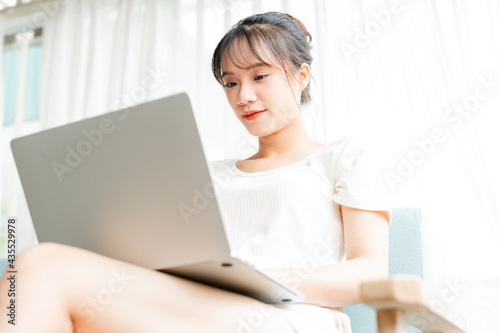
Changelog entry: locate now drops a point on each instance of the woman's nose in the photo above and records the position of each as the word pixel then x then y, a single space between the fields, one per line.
pixel 246 95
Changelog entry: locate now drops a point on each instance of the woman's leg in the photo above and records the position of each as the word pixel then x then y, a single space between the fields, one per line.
pixel 62 289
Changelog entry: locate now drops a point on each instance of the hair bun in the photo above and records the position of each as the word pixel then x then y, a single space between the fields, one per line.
pixel 306 33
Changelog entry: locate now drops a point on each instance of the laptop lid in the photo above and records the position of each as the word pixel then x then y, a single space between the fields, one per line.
pixel 131 184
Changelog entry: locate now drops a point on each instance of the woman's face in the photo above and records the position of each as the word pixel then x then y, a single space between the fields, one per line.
pixel 260 95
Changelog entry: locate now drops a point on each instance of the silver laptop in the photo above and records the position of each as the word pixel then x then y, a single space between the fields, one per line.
pixel 127 184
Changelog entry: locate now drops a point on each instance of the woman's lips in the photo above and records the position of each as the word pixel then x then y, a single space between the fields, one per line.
pixel 254 115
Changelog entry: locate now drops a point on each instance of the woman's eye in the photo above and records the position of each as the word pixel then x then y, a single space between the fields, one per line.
pixel 260 77
pixel 229 84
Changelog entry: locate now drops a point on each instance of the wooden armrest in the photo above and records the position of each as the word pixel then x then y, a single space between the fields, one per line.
pixel 404 299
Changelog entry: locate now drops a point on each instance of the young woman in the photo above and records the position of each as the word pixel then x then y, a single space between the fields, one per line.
pixel 303 211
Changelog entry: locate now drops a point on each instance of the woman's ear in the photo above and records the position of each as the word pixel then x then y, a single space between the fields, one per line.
pixel 304 75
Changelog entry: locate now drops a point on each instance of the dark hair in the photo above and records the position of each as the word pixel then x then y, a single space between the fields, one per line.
pixel 282 34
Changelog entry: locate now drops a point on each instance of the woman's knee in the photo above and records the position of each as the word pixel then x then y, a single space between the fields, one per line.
pixel 43 255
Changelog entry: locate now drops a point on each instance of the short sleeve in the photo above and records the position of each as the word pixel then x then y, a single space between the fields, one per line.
pixel 356 183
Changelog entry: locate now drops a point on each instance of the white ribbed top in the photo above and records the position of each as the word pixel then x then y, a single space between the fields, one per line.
pixel 290 216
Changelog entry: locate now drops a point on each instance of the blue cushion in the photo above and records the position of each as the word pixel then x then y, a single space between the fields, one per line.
pixel 405 242
pixel 405 257
pixel 3 266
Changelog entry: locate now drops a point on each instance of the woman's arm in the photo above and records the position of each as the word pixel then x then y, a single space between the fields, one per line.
pixel 367 250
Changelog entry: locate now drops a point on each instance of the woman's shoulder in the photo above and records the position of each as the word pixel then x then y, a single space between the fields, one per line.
pixel 343 147
pixel 342 155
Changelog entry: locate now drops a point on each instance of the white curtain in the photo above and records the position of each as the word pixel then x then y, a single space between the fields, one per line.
pixel 418 81
pixel 421 81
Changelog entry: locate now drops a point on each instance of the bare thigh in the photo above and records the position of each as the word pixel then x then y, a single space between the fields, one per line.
pixel 71 289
